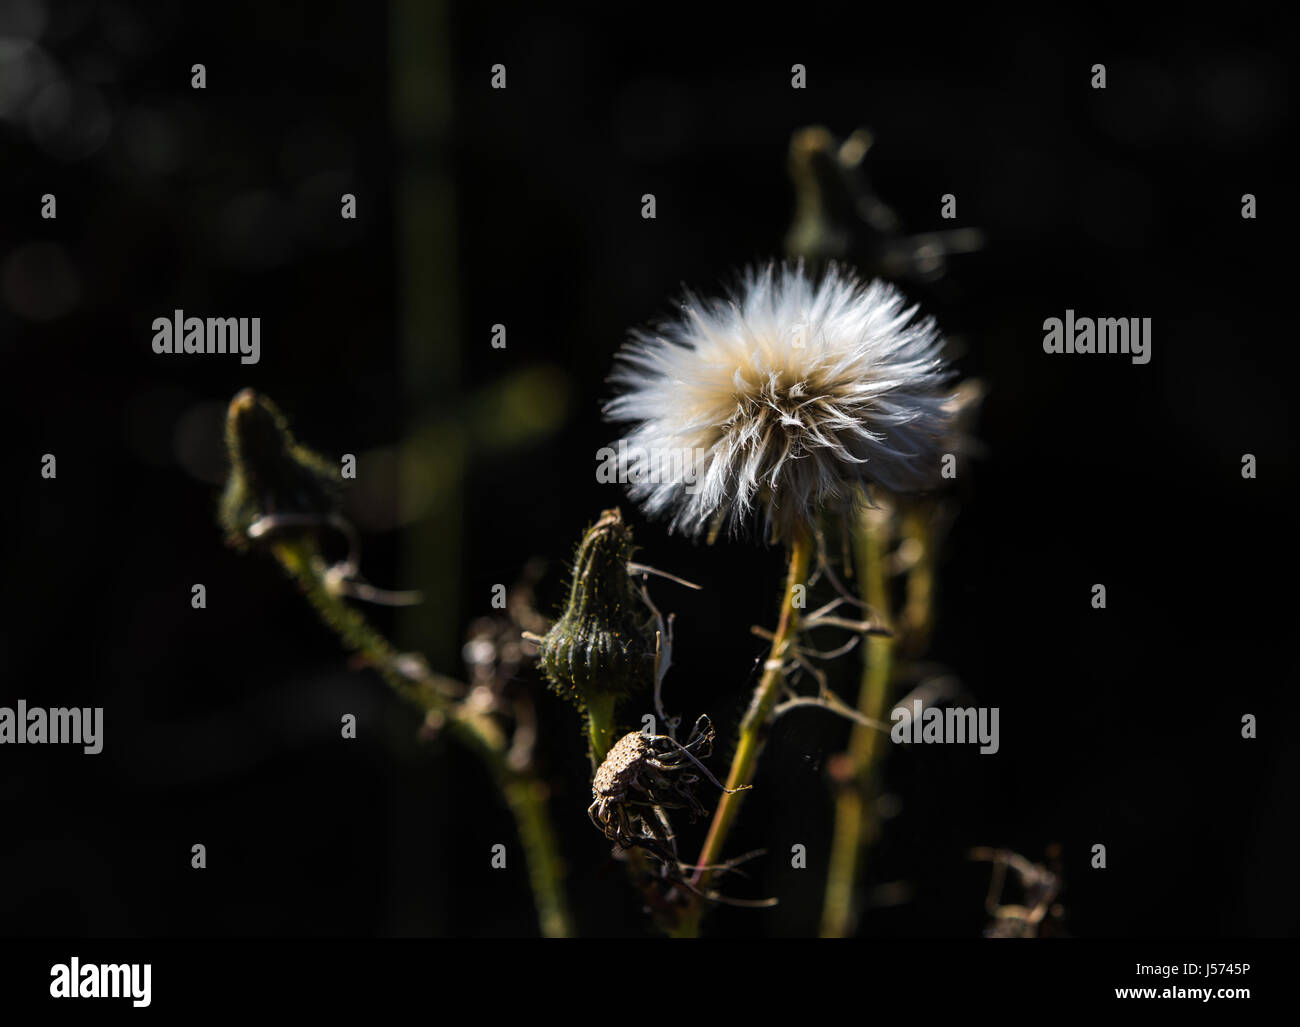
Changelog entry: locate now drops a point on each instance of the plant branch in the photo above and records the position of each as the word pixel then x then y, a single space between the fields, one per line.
pixel 436 696
pixel 753 728
pixel 855 824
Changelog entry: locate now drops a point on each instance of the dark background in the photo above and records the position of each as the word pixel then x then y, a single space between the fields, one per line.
pixel 1120 726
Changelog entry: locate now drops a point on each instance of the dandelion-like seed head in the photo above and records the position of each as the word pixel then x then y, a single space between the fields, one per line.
pixel 787 397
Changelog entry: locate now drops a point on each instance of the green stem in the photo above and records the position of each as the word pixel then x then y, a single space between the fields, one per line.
pixel 432 693
pixel 855 824
pixel 918 613
pixel 527 798
pixel 600 727
pixel 753 728
pixel 435 695
pixel 425 278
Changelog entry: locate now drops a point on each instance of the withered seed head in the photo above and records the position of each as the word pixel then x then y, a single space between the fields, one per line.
pixel 270 473
pixel 602 644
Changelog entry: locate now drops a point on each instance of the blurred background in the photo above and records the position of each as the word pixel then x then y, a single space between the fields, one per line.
pixel 522 207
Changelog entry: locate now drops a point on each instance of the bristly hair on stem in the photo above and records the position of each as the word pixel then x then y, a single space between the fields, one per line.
pixel 279 497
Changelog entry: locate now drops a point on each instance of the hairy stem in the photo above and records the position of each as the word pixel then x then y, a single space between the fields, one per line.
pixel 855 824
pixel 430 692
pixel 435 695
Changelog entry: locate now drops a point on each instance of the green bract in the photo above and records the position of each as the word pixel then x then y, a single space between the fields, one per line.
pixel 602 645
pixel 271 475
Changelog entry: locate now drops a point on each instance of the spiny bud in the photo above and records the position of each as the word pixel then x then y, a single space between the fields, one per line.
pixel 602 644
pixel 273 480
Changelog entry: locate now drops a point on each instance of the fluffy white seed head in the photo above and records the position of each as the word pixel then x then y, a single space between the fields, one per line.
pixel 785 397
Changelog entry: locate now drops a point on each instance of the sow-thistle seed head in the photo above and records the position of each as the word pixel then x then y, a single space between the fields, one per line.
pixel 787 397
pixel 271 475
pixel 602 644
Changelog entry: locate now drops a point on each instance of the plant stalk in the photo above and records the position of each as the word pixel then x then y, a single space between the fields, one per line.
pixel 600 727
pixel 855 822
pixel 753 728
pixel 433 694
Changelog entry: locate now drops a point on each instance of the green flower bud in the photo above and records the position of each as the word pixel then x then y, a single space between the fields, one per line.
pixel 603 645
pixel 275 484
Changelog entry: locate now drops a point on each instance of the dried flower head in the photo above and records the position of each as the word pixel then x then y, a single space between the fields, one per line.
pixel 786 397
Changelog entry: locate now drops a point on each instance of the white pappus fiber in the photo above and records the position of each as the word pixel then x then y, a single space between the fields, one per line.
pixel 787 397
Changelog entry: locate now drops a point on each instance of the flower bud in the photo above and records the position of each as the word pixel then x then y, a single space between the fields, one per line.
pixel 274 481
pixel 602 645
